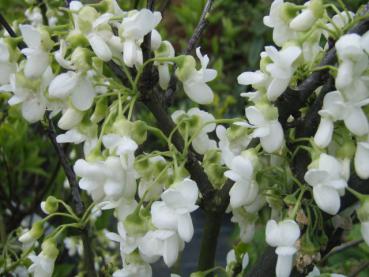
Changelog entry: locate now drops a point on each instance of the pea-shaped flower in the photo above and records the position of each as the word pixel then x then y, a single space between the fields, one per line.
pixel 283 235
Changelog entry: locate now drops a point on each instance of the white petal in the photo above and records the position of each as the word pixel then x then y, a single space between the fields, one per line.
pixel 198 92
pixel 250 78
pixel 33 110
pixel 62 85
pixel 365 231
pixel 327 199
pixel 31 36
pixel 254 116
pixel 284 266
pixel 100 47
pixel 185 227
pixel 303 21
pixel 324 133
pixel 275 139
pixel 362 161
pixel 83 94
pixel 356 121
pixel 276 88
pixel 36 64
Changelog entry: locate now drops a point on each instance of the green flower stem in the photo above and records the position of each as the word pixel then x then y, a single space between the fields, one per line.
pixel 60 214
pixel 297 205
pixel 68 208
pixel 86 214
pixel 358 195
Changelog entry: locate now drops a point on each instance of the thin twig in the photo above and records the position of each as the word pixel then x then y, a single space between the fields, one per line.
pixel 341 248
pixel 43 9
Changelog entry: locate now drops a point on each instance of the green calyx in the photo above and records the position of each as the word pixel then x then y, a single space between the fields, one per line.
pixel 51 204
pixel 37 230
pixel 186 66
pixel 289 11
pixel 136 224
pixel 49 248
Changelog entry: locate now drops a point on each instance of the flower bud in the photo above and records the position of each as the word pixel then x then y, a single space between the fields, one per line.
pixel 35 233
pixel 165 50
pixel 186 66
pixel 81 58
pixel 100 110
pixel 135 224
pixel 49 249
pixel 70 118
pixel 86 16
pixel 139 131
pixel 50 205
pixel 347 150
pixel 289 12
pixel 77 39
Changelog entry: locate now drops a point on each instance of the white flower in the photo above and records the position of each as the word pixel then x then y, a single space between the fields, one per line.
pixel 165 243
pixel 37 57
pixel 127 244
pixel 281 69
pixel 166 51
pixel 32 98
pixel 257 79
pixel 201 142
pixel 122 146
pixel 194 84
pixel 281 29
pixel 76 85
pixel 283 235
pixel 245 190
pixel 268 130
pixel 361 160
pixel 132 30
pixel 308 16
pixel 335 108
pixel 231 148
pixel 173 212
pixel 43 264
pixel 7 68
pixel 105 180
pixel 328 183
pixel 134 270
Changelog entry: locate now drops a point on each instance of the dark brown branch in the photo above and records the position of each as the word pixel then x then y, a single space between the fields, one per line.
pixel 341 248
pixel 43 9
pixel 67 167
pixel 213 223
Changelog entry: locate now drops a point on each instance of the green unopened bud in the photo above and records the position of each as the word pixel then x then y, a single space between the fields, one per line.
pixel 50 206
pixel 215 173
pixel 143 167
pixel 122 127
pixel 317 8
pixel 235 133
pixel 180 174
pixel 270 112
pixel 85 18
pixel 135 224
pixel 77 39
pixel 165 50
pixel 289 11
pixel 101 108
pixel 35 233
pixel 186 66
pixel 81 58
pixel 347 150
pixel 49 249
pixel 133 258
pixel 290 200
pixel 363 211
pixel 139 131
